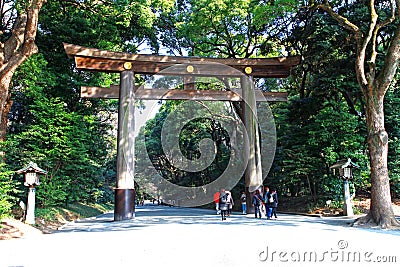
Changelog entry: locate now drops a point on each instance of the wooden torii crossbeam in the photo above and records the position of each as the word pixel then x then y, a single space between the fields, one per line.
pixel 127 65
pixel 107 61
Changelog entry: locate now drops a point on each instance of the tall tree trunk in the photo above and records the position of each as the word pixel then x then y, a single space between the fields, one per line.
pixel 381 209
pixel 5 103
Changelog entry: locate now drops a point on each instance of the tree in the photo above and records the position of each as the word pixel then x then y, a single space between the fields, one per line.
pixel 72 138
pixel 322 122
pixel 189 139
pixel 375 75
pixel 71 146
pixel 18 33
pixel 224 28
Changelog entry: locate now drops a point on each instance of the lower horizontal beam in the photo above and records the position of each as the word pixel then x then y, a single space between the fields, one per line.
pixel 174 94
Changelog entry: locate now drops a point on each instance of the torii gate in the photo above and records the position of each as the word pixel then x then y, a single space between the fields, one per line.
pixel 129 64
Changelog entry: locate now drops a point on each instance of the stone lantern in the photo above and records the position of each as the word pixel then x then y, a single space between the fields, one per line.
pixel 345 169
pixel 31 179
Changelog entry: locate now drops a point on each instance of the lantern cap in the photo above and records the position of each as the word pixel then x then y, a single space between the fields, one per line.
pixel 344 163
pixel 31 167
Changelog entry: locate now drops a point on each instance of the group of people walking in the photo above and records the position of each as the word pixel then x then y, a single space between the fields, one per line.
pixel 266 203
pixel 263 203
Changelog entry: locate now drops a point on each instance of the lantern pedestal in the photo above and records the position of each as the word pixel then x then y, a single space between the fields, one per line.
pixel 348 207
pixel 30 210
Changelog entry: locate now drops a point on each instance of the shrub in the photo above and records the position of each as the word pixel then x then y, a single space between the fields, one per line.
pixel 8 190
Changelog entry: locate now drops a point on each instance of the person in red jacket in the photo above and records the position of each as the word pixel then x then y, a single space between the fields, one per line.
pixel 216 201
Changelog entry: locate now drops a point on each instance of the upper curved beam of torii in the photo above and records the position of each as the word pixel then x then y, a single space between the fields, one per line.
pixel 108 61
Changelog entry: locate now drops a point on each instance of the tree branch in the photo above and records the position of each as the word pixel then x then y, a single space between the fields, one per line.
pixel 16 39
pixel 361 41
pixel 390 19
pixel 21 43
pixel 390 67
pixel 372 33
pixel 342 20
pixel 18 47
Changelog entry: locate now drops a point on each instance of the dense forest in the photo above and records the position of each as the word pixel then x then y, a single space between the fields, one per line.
pixel 74 139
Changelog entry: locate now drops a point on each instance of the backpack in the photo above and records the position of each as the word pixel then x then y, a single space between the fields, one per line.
pixel 223 199
pixel 243 199
pixel 271 198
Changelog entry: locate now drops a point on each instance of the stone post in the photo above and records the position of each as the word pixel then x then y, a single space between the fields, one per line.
pixel 348 207
pixel 30 210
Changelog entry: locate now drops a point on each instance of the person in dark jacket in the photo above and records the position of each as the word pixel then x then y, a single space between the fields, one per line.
pixel 223 204
pixel 268 200
pixel 243 202
pixel 257 202
pixel 265 197
pixel 274 204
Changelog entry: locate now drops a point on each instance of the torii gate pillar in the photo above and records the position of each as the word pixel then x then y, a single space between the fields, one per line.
pixel 124 207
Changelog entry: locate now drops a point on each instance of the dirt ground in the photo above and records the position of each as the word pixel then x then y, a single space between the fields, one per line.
pixel 12 228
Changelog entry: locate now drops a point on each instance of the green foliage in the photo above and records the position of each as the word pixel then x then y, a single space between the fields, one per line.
pixel 60 141
pixel 310 143
pixel 323 121
pixel 8 190
pixel 357 211
pixel 392 111
pixel 73 138
pixel 189 139
pixel 225 28
pixel 47 214
pixel 88 210
pixel 77 210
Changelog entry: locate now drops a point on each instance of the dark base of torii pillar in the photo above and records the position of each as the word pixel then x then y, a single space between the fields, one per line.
pixel 124 206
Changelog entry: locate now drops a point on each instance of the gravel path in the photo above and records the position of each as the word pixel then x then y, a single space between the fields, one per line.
pixel 170 236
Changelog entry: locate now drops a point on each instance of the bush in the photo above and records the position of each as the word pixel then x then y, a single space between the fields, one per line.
pixel 48 214
pixel 5 207
pixel 8 188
